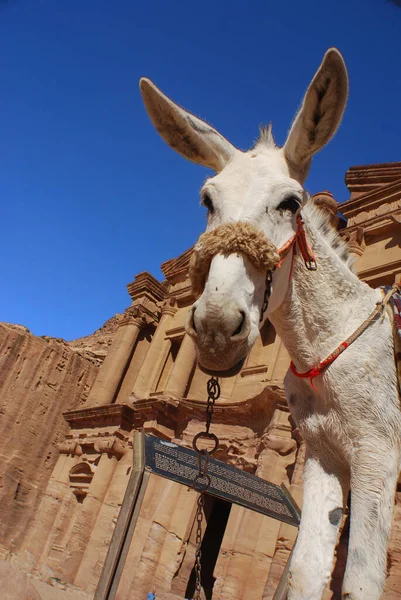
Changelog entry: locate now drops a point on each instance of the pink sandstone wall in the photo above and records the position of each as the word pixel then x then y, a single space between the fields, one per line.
pixel 39 380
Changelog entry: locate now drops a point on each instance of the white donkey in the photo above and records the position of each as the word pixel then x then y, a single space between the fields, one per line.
pixel 347 410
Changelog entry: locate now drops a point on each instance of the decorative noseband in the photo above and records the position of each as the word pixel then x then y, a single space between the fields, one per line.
pixel 231 238
pixel 243 238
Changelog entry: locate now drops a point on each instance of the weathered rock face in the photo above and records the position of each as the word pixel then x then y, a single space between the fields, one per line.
pixel 15 584
pixel 39 380
pixel 94 347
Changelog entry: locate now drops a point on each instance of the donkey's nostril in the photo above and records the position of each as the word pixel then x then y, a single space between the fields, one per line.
pixel 241 324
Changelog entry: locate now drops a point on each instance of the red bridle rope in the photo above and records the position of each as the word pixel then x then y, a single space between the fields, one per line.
pixel 310 263
pixel 306 251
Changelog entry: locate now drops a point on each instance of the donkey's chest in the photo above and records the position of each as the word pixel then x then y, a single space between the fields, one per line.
pixel 356 397
pixel 322 424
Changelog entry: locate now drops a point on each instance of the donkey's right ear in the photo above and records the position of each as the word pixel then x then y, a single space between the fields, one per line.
pixel 320 114
pixel 188 135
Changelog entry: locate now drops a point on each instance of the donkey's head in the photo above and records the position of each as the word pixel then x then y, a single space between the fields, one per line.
pixel 261 189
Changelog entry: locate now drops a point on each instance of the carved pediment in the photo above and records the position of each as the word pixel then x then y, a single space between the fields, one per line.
pixel 361 180
pixel 145 285
pixel 374 209
pixel 176 269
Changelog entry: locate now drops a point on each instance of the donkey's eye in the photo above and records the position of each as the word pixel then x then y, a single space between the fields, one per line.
pixel 207 202
pixel 292 203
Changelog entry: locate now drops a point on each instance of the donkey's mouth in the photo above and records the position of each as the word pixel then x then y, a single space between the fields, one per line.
pixel 221 360
pixel 223 372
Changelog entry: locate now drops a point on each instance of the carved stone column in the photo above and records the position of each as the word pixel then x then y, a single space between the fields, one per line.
pixel 41 535
pixel 181 371
pixel 95 552
pixel 160 543
pixel 249 534
pixel 112 370
pixel 157 351
pixel 86 514
pixel 356 241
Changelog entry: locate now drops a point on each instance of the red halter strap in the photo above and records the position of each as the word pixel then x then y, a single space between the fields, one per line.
pixel 310 263
pixel 374 315
pixel 305 249
pixel 312 373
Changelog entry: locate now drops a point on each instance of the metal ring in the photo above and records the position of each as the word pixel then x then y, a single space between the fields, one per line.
pixel 311 265
pixel 200 487
pixel 213 388
pixel 208 436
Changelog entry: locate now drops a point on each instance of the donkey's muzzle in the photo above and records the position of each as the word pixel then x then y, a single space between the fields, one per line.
pixel 232 324
pixel 220 320
pixel 220 336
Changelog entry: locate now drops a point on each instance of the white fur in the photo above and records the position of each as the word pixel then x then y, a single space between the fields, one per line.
pixel 351 422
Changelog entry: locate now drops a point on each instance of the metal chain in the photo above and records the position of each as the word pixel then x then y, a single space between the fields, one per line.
pixel 198 554
pixel 202 480
pixel 269 279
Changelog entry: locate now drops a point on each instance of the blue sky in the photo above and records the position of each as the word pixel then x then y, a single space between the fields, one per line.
pixel 90 195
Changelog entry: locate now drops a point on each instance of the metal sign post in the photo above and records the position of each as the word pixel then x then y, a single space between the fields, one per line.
pixel 166 459
pixel 127 518
pixel 282 588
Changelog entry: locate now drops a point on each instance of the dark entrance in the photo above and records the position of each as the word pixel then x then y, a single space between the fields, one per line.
pixel 216 512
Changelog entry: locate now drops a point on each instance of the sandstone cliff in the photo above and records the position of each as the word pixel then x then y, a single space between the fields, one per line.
pixel 40 378
pixel 94 347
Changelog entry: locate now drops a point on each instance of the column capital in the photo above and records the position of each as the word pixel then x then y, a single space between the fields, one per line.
pixel 355 240
pixel 136 315
pixel 169 306
pixel 112 446
pixel 70 447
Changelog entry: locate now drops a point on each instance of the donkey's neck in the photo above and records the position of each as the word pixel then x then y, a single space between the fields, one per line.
pixel 323 307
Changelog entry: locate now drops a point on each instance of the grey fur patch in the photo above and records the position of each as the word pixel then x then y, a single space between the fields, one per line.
pixel 335 516
pixel 358 558
pixel 373 512
pixel 340 247
pixel 180 139
pixel 325 229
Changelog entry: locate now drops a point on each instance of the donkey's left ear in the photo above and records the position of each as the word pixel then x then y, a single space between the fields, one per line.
pixel 320 114
pixel 191 137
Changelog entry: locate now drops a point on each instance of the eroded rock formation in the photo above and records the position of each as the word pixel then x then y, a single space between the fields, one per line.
pixel 39 380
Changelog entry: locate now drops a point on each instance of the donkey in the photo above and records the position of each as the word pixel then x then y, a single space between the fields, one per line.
pixel 348 409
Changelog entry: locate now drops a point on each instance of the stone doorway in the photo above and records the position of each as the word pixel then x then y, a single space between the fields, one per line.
pixel 217 513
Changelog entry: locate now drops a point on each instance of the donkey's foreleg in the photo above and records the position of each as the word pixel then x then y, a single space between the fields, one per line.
pixel 374 473
pixel 323 499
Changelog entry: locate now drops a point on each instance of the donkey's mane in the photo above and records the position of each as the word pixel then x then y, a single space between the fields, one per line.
pixel 266 138
pixel 319 219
